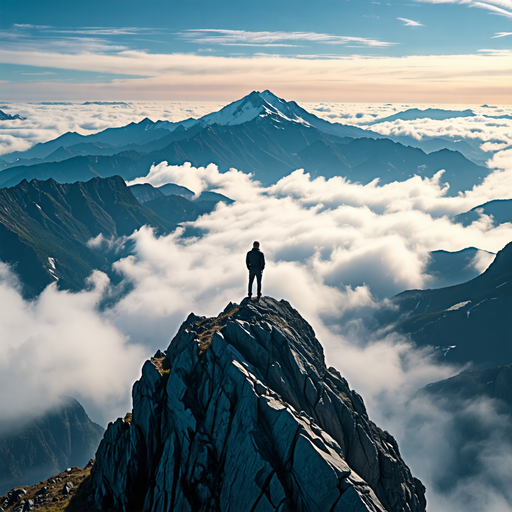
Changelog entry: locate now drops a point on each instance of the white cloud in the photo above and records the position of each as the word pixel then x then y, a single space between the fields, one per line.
pixel 235 184
pixel 500 7
pixel 469 128
pixel 9 143
pixel 59 344
pixel 493 8
pixel 243 38
pixel 410 23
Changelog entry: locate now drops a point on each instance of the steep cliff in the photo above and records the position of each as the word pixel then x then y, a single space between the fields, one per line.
pixel 242 414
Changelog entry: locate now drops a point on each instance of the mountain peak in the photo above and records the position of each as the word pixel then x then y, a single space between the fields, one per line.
pixel 255 105
pixel 242 414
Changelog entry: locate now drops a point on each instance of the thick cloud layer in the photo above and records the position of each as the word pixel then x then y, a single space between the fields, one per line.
pixel 60 345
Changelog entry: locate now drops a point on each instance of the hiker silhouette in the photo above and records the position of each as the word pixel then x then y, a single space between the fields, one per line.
pixel 255 261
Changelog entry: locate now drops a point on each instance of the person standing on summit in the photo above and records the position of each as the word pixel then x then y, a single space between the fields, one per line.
pixel 255 261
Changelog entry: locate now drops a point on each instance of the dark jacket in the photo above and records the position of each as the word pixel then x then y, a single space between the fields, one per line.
pixel 255 260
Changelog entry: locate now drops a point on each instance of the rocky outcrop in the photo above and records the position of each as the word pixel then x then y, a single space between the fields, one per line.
pixel 243 415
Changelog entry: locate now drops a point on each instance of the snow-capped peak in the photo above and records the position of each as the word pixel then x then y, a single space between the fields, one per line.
pixel 256 104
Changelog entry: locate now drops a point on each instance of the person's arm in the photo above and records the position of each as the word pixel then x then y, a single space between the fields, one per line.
pixel 262 261
pixel 247 262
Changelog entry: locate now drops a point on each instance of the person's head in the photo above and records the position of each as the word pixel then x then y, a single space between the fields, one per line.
pixel 256 245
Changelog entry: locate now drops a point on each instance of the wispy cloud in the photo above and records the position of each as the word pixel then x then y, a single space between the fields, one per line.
pixel 39 74
pixel 410 23
pixel 496 53
pixel 493 9
pixel 104 31
pixel 46 39
pixel 501 34
pixel 67 39
pixel 499 7
pixel 246 38
pixel 439 79
pixel 28 26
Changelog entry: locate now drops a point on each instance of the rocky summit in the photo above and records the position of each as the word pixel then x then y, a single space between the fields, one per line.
pixel 242 414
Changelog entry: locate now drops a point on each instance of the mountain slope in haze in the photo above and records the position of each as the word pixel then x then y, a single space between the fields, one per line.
pixel 451 268
pixel 493 383
pixel 469 322
pixel 177 190
pixel 429 113
pixel 364 160
pixel 270 153
pixel 45 227
pixel 261 148
pixel 140 133
pixel 477 406
pixel 243 414
pixel 32 450
pixel 499 209
pixel 145 192
pixel 177 208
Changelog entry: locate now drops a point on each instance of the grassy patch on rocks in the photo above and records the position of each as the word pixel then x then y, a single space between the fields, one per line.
pixel 68 491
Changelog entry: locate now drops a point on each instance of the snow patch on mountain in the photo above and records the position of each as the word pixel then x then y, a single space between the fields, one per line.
pixel 458 306
pixel 256 104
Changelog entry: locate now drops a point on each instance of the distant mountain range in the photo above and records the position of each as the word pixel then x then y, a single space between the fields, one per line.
pixel 469 322
pixel 261 134
pixel 32 450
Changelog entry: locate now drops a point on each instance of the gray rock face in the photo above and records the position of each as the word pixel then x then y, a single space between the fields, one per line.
pixel 243 415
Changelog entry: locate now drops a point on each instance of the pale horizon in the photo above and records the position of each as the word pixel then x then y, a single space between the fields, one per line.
pixel 424 51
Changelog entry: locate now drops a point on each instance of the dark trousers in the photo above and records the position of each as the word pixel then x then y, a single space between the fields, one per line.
pixel 255 274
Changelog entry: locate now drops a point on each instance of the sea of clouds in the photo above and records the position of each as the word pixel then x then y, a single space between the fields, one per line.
pixel 45 121
pixel 335 250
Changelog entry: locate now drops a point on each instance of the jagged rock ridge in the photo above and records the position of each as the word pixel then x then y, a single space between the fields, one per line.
pixel 242 414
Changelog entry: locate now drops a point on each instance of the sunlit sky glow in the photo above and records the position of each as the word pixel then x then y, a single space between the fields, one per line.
pixel 448 51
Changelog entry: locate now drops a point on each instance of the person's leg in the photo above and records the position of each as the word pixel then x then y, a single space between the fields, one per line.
pixel 251 280
pixel 258 280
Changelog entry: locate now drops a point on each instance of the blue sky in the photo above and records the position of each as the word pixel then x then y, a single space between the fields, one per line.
pixel 38 40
